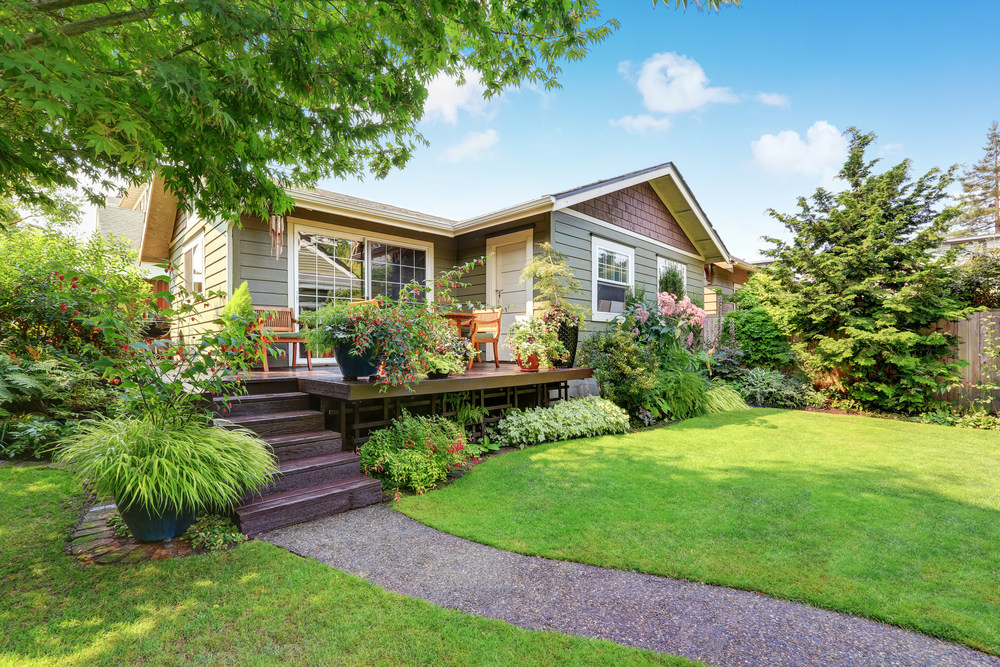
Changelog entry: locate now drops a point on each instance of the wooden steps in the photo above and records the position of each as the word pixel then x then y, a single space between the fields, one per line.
pixel 316 478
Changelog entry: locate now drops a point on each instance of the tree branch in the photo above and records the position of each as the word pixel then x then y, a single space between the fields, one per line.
pixel 55 5
pixel 87 25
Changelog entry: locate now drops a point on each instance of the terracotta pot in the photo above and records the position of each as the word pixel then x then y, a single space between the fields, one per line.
pixel 530 365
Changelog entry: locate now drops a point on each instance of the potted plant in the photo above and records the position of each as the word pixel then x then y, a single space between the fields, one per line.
pixel 161 474
pixel 555 283
pixel 535 344
pixel 449 353
pixel 336 327
pixel 161 458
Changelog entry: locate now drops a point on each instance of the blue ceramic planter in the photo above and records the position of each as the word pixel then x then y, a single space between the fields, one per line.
pixel 148 527
pixel 353 366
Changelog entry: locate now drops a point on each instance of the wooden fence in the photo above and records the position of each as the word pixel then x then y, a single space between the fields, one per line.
pixel 976 334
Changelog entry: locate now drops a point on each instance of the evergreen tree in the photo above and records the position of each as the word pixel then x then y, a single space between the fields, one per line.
pixel 862 285
pixel 980 198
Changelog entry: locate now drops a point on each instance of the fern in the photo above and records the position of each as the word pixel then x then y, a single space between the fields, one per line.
pixel 23 380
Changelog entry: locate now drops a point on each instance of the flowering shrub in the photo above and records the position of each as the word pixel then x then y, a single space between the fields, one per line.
pixel 533 337
pixel 624 367
pixel 577 418
pixel 413 452
pixel 164 381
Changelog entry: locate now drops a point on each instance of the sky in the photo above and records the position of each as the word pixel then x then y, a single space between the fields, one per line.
pixel 749 103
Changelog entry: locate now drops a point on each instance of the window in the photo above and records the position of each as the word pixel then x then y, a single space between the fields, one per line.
pixel 663 266
pixel 194 266
pixel 612 274
pixel 341 268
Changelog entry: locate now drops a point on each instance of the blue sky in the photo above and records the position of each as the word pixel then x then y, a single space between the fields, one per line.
pixel 687 88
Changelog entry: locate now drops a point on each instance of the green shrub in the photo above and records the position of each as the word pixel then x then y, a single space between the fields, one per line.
pixel 624 368
pixel 578 418
pixel 961 418
pixel 772 389
pixel 31 435
pixel 753 329
pixel 672 281
pixel 679 394
pixel 239 306
pixel 413 452
pixel 213 532
pixel 724 398
pixel 166 465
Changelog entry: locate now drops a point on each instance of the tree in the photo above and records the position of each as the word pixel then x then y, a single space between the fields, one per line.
pixel 980 198
pixel 232 100
pixel 863 287
pixel 59 207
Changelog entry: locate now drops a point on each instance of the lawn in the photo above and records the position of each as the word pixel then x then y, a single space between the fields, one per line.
pixel 254 605
pixel 889 520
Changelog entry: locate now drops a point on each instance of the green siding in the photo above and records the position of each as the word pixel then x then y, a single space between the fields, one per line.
pixel 473 246
pixel 573 236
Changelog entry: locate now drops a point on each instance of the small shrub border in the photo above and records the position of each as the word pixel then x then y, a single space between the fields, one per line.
pixel 577 418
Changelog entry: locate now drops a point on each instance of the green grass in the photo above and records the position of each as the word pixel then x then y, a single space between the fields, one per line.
pixel 889 520
pixel 254 605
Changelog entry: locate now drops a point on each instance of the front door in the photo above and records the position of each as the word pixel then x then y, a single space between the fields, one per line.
pixel 509 253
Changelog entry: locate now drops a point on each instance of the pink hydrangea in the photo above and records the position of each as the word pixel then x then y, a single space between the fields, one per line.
pixel 642 314
pixel 667 303
pixel 690 340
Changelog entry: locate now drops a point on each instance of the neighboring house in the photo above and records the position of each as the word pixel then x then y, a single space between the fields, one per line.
pixel 616 233
pixel 970 243
pixel 724 278
pixel 126 218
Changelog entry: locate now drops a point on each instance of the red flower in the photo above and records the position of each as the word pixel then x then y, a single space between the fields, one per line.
pixel 63 307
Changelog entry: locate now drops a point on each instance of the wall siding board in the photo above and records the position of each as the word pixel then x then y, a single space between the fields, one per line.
pixel 573 238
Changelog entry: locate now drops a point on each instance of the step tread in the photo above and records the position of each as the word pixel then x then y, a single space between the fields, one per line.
pixel 260 398
pixel 300 438
pixel 315 462
pixel 272 416
pixel 276 501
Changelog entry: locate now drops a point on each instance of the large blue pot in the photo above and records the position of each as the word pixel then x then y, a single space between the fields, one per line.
pixel 353 366
pixel 148 527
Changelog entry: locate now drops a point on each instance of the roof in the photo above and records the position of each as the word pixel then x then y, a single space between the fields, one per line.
pixel 664 178
pixel 112 219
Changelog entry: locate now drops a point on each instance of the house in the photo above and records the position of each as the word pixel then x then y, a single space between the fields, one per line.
pixel 722 279
pixel 619 232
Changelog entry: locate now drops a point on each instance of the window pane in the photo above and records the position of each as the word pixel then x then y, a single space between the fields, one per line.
pixel 392 268
pixel 612 266
pixel 610 298
pixel 330 270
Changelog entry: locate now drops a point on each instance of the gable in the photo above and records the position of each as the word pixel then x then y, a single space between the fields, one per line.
pixel 638 209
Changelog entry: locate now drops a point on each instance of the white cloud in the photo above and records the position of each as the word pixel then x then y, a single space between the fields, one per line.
pixel 670 83
pixel 772 99
pixel 820 155
pixel 445 97
pixel 642 124
pixel 625 69
pixel 472 147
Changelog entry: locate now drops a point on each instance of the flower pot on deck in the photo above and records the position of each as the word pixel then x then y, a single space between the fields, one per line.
pixel 149 526
pixel 353 366
pixel 569 334
pixel 437 376
pixel 529 365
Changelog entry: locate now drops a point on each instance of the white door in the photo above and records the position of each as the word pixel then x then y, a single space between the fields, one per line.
pixel 509 255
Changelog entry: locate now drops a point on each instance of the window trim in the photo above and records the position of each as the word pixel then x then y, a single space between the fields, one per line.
pixel 297 226
pixel 200 242
pixel 597 242
pixel 682 266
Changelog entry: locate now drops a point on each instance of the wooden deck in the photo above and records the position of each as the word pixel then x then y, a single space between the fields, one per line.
pixel 355 408
pixel 331 384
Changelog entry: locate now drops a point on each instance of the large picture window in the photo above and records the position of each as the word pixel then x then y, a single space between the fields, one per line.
pixel 340 268
pixel 613 267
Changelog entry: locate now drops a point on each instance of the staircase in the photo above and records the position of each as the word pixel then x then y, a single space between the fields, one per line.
pixel 316 477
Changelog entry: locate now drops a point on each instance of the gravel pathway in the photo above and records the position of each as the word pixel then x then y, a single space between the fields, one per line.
pixel 715 625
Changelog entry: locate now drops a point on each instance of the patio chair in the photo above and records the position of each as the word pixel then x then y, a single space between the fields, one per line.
pixel 486 329
pixel 283 324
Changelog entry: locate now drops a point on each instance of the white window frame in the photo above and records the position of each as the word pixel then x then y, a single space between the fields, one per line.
pixel 354 235
pixel 199 241
pixel 662 263
pixel 596 243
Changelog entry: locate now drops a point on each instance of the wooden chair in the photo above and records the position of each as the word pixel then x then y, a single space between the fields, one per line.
pixel 486 321
pixel 281 321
